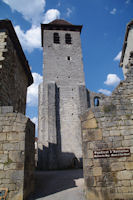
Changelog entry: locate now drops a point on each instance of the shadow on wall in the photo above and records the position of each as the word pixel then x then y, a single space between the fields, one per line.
pixel 50 182
pixel 51 158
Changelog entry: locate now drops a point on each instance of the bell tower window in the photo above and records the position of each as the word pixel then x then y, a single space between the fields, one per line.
pixel 68 38
pixel 56 38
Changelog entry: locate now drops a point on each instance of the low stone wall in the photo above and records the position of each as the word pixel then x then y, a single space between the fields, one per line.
pixel 17 136
pixel 107 134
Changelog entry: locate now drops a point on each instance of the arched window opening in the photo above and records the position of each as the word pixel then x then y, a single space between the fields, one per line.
pixel 56 38
pixel 68 57
pixel 96 101
pixel 68 38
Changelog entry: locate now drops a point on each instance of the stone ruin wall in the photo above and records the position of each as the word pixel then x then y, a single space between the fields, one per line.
pixel 16 153
pixel 110 127
pixel 13 81
pixel 17 132
pixel 92 96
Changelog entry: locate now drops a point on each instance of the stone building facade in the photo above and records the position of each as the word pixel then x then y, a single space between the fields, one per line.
pixel 17 132
pixel 13 87
pixel 107 135
pixel 62 96
pixel 127 47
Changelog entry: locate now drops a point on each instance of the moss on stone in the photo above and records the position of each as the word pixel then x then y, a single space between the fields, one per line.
pixel 8 162
pixel 128 116
pixel 109 108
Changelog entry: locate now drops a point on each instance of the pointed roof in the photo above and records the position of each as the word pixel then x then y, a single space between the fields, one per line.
pixel 60 24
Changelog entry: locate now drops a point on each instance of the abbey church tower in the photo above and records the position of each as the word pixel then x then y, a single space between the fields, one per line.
pixel 62 96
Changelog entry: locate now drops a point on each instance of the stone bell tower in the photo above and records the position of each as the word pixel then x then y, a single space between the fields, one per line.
pixel 62 96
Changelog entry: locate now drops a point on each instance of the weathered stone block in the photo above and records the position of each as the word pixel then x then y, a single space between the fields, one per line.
pixel 90 115
pixel 22 146
pixel 91 123
pixel 123 189
pixel 117 144
pixel 115 133
pixel 10 146
pixel 93 194
pixel 127 143
pixel 90 154
pixel 94 135
pixel 11 187
pixel 90 181
pixel 18 127
pixel 9 165
pixel 17 175
pixel 1 147
pixel 85 135
pixel 124 175
pixel 88 162
pixel 4 181
pixel 129 165
pixel 117 166
pixel 13 136
pixel 130 158
pixel 3 158
pixel 16 156
pixel 128 137
pixel 1 166
pixel 97 171
pixel 2 174
pixel 6 109
pixel 2 136
pixel 96 163
pixel 21 136
pixel 126 183
pixel 7 128
pixel 21 118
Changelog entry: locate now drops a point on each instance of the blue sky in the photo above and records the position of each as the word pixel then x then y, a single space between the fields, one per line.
pixel 104 24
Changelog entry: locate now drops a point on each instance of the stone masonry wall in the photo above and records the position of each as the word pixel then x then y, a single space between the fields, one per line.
pixel 13 87
pixel 128 49
pixel 16 153
pixel 110 127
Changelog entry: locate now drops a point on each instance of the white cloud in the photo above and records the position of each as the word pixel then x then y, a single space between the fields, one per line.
pixel 104 91
pixel 32 94
pixel 31 10
pixel 30 39
pixel 51 15
pixel 118 57
pixel 112 80
pixel 59 4
pixel 127 1
pixel 113 12
pixel 69 12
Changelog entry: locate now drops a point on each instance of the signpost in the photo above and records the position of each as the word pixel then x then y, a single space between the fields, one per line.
pixel 111 153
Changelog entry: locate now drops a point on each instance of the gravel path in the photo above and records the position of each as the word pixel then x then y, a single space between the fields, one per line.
pixel 59 185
